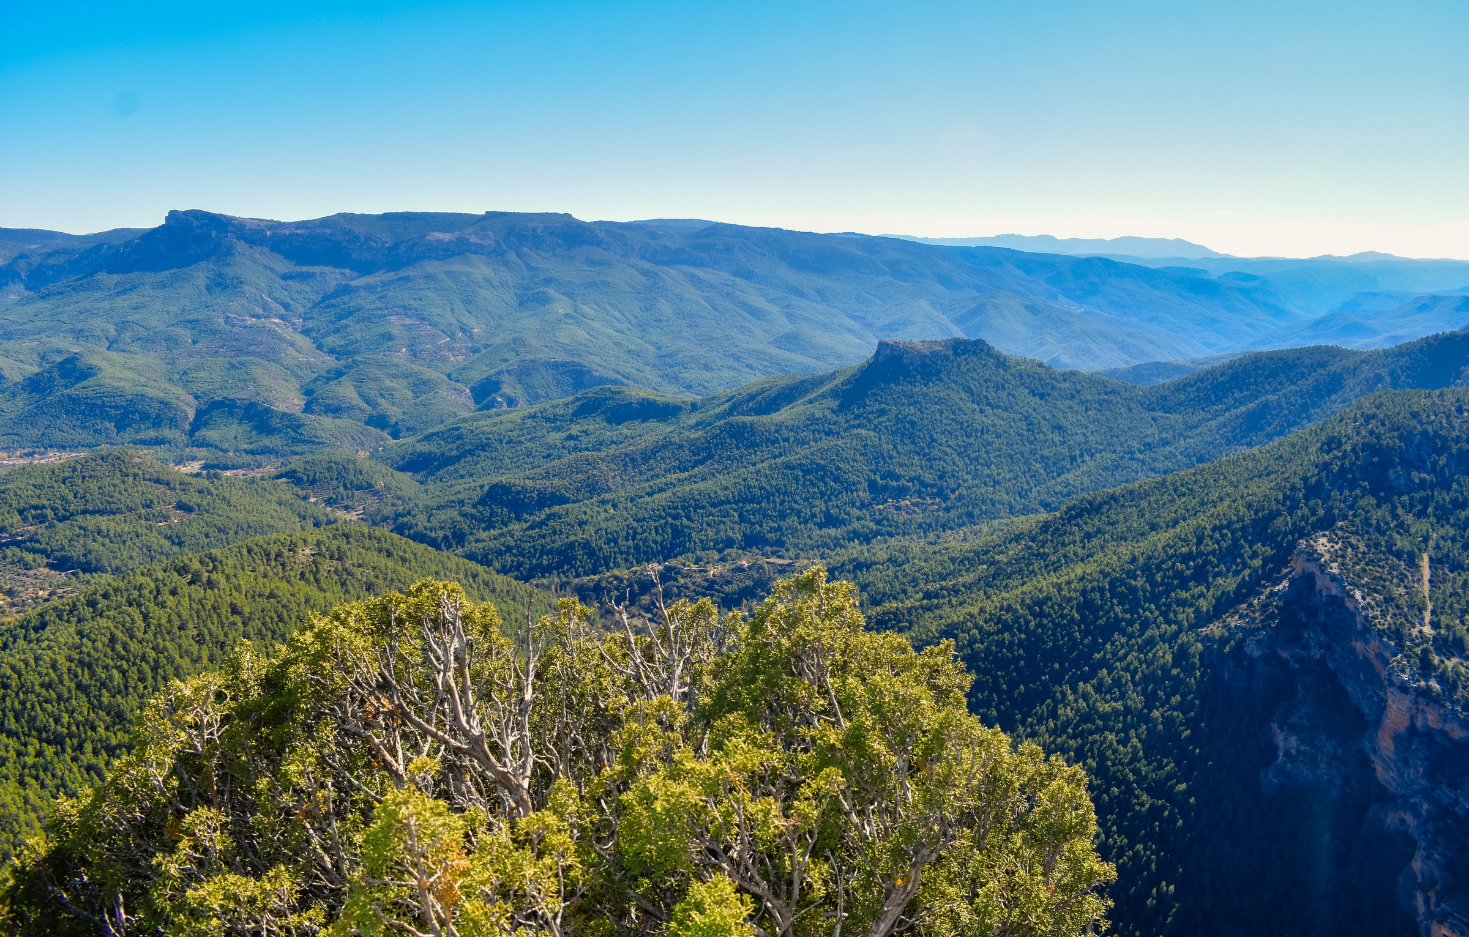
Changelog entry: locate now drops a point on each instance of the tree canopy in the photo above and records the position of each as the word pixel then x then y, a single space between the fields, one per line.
pixel 402 766
pixel 75 674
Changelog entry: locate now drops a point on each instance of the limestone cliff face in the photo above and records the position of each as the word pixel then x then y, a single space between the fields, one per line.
pixel 1355 723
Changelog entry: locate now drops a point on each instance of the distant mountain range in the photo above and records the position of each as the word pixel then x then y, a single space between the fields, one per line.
pixel 1314 286
pixel 263 338
pixel 1364 300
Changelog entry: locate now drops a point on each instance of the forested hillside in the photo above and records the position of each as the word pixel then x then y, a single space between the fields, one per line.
pixel 1125 630
pixel 924 438
pixel 256 339
pixel 1156 372
pixel 1103 631
pixel 113 511
pixel 74 676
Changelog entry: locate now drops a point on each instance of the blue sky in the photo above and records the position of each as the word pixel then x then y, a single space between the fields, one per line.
pixel 1255 128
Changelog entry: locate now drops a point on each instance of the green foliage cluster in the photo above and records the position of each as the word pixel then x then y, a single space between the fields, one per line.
pixel 252 428
pixel 116 510
pixel 927 437
pixel 75 675
pixel 401 766
pixel 1088 632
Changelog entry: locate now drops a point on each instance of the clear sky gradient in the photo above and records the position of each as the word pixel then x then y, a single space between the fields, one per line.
pixel 1286 128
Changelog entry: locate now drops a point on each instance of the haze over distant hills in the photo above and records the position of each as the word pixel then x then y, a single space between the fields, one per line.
pixel 1048 244
pixel 1315 286
pixel 1364 300
pixel 1135 247
pixel 1377 320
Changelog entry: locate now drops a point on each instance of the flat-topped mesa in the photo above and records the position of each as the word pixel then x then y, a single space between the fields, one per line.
pixel 916 354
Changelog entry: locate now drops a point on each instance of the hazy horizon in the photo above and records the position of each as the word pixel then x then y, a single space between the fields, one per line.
pixel 901 235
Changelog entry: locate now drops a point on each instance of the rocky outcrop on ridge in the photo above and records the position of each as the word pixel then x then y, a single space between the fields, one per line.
pixel 1362 725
